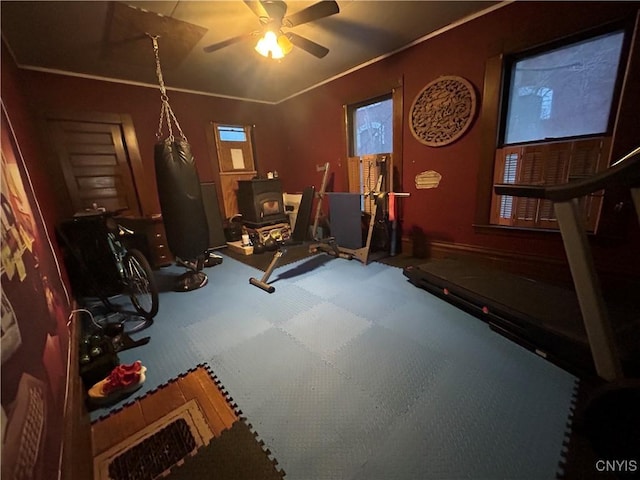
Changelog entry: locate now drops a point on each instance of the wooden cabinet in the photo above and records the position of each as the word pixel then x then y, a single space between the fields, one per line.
pixel 156 239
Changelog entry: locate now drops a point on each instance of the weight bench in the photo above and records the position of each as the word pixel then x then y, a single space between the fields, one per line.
pixel 298 237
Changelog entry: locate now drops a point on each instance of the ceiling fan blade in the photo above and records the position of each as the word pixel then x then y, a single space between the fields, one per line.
pixel 255 7
pixel 230 41
pixel 276 9
pixel 307 45
pixel 316 11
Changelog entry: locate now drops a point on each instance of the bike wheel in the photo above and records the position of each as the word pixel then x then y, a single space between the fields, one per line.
pixel 143 290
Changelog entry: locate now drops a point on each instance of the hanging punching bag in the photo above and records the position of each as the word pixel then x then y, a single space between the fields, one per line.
pixel 183 213
pixel 185 220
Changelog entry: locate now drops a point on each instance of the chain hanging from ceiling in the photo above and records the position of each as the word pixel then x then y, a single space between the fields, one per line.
pixel 166 112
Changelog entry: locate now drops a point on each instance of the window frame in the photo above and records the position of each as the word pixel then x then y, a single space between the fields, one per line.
pixel 509 60
pixel 494 118
pixel 393 178
pixel 350 112
pixel 225 148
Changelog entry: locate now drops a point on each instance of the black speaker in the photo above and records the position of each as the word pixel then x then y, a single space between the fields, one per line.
pixel 212 212
pixel 260 202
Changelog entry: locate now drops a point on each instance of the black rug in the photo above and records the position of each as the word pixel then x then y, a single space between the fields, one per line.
pixel 148 459
pixel 235 455
pixel 261 261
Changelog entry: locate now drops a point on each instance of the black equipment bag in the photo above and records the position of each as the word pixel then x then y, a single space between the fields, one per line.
pixel 181 203
pixel 90 263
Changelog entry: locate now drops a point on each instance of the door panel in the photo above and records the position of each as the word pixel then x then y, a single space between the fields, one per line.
pixel 95 164
pixel 229 186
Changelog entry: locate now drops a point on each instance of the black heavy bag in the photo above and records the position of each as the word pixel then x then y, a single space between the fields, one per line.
pixel 183 212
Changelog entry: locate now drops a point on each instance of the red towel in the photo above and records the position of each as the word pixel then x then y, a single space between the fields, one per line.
pixel 392 207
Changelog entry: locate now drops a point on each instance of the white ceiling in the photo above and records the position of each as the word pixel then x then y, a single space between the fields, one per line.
pixel 108 40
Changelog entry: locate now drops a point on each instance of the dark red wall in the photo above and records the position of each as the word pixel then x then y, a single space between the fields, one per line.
pixel 194 113
pixel 33 286
pixel 297 135
pixel 447 213
pixel 22 112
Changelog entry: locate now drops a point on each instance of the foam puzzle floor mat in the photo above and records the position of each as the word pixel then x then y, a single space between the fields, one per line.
pixel 188 428
pixel 349 371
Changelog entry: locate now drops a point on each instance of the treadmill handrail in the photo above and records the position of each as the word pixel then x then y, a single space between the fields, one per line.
pixel 625 171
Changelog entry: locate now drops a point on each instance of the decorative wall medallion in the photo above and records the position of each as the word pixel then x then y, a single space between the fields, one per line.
pixel 443 111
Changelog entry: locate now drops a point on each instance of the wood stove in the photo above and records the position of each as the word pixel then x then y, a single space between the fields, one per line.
pixel 260 202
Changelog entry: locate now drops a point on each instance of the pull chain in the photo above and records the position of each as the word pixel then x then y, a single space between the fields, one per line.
pixel 166 113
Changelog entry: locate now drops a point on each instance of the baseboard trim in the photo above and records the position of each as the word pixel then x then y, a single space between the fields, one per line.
pixel 518 263
pixel 77 453
pixel 550 269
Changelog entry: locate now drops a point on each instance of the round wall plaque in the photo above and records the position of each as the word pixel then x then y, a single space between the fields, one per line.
pixel 443 111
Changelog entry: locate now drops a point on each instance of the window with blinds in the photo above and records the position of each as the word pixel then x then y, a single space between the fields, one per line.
pixel 547 164
pixel 363 175
pixel 370 129
pixel 557 109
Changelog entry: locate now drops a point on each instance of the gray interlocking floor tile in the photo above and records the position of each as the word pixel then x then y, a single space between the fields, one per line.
pixel 322 427
pixel 258 368
pixel 325 328
pixel 393 369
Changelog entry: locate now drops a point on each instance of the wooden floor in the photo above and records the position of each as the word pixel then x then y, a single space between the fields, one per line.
pixel 197 385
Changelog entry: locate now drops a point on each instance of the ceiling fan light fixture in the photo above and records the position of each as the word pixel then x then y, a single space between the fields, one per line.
pixel 272 15
pixel 285 44
pixel 273 46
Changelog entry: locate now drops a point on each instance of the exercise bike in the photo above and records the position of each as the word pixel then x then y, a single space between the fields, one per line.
pixel 106 267
pixel 133 267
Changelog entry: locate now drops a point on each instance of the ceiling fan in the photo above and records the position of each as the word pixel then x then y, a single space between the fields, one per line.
pixel 275 43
